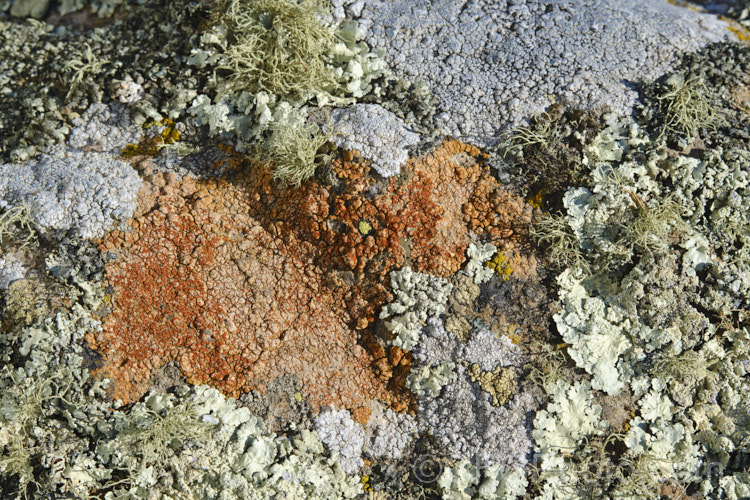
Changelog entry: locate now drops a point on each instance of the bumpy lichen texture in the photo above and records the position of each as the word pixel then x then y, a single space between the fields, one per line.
pixel 659 313
pixel 462 416
pixel 147 41
pixel 493 64
pixel 375 133
pixel 243 281
pixel 85 192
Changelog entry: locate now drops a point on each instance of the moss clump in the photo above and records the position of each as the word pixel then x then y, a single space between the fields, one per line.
pixel 278 46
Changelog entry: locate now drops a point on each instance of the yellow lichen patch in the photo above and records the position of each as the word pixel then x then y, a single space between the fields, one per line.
pixel 501 383
pixel 500 265
pixel 366 483
pixel 364 227
pixel 514 333
pixel 151 146
pixel 736 29
pixel 537 200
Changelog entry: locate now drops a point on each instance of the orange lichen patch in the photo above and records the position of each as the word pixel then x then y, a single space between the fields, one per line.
pixel 199 281
pixel 245 280
pixel 426 219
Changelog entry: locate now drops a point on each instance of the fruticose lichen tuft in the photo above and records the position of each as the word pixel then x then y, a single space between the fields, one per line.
pixel 278 46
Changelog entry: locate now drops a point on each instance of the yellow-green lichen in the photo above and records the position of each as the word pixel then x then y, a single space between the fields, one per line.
pixel 501 383
pixel 151 146
pixel 499 264
pixel 278 46
pixel 537 200
pixel 364 227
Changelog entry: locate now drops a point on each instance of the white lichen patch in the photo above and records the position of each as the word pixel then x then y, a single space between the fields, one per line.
pixel 86 193
pixel 377 134
pixel 343 436
pixel 493 64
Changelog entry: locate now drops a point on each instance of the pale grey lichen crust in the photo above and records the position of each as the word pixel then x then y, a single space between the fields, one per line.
pixel 86 192
pixel 493 64
pixel 377 134
pixel 461 415
pixel 107 128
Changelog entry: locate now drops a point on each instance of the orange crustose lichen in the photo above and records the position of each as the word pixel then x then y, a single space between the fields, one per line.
pixel 243 280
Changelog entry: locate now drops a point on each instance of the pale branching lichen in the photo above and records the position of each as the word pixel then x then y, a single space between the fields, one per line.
pixel 554 233
pixel 16 224
pixel 293 148
pixel 685 107
pixel 80 70
pixel 655 226
pixel 539 133
pixel 279 46
pixel 158 430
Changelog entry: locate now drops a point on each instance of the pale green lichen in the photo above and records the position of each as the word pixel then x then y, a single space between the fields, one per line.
pixel 570 420
pixel 685 106
pixel 655 226
pixel 417 297
pixel 464 480
pixel 661 312
pixel 278 46
pixel 280 58
pixel 539 133
pixel 16 224
pixel 428 380
pixel 478 256
pixel 77 70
